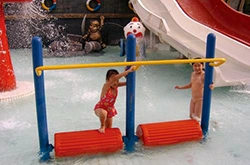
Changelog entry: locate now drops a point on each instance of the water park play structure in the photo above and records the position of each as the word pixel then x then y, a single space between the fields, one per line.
pixel 152 134
pixel 185 24
pixel 8 85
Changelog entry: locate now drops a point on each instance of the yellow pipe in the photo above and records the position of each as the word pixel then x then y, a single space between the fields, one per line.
pixel 212 62
pixel 44 7
pixel 217 63
pixel 137 67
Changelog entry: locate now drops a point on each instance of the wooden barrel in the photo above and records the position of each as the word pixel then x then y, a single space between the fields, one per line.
pixel 92 46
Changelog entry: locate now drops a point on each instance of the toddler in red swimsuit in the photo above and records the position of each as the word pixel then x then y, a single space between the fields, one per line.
pixel 105 108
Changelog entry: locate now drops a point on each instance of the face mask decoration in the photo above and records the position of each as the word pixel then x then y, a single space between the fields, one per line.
pixel 135 27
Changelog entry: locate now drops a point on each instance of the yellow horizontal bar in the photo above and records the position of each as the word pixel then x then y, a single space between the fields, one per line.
pixel 212 62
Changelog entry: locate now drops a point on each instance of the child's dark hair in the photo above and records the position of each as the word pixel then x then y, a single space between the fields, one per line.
pixel 110 72
pixel 200 62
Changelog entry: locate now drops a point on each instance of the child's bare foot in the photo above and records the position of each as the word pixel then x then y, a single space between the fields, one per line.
pixel 195 118
pixel 102 129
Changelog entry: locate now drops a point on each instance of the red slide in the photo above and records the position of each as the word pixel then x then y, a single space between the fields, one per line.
pixel 217 15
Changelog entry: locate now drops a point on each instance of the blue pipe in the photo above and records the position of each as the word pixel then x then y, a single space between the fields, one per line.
pixel 45 147
pixel 130 137
pixel 208 80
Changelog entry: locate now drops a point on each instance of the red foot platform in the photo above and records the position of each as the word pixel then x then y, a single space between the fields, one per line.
pixel 87 142
pixel 164 133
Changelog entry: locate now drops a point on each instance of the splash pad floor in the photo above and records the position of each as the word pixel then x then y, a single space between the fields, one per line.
pixel 72 94
pixel 22 89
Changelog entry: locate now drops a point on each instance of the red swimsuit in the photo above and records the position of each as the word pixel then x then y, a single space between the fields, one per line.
pixel 107 103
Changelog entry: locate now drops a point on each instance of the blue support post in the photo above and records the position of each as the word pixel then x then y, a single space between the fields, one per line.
pixel 130 137
pixel 208 80
pixel 45 147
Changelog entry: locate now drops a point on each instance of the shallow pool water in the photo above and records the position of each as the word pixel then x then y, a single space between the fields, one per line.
pixel 72 94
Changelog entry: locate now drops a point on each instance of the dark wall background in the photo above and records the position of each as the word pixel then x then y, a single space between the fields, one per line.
pixel 78 6
pixel 25 21
pixel 116 12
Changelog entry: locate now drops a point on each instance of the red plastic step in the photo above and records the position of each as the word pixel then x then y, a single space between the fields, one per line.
pixel 87 142
pixel 164 133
